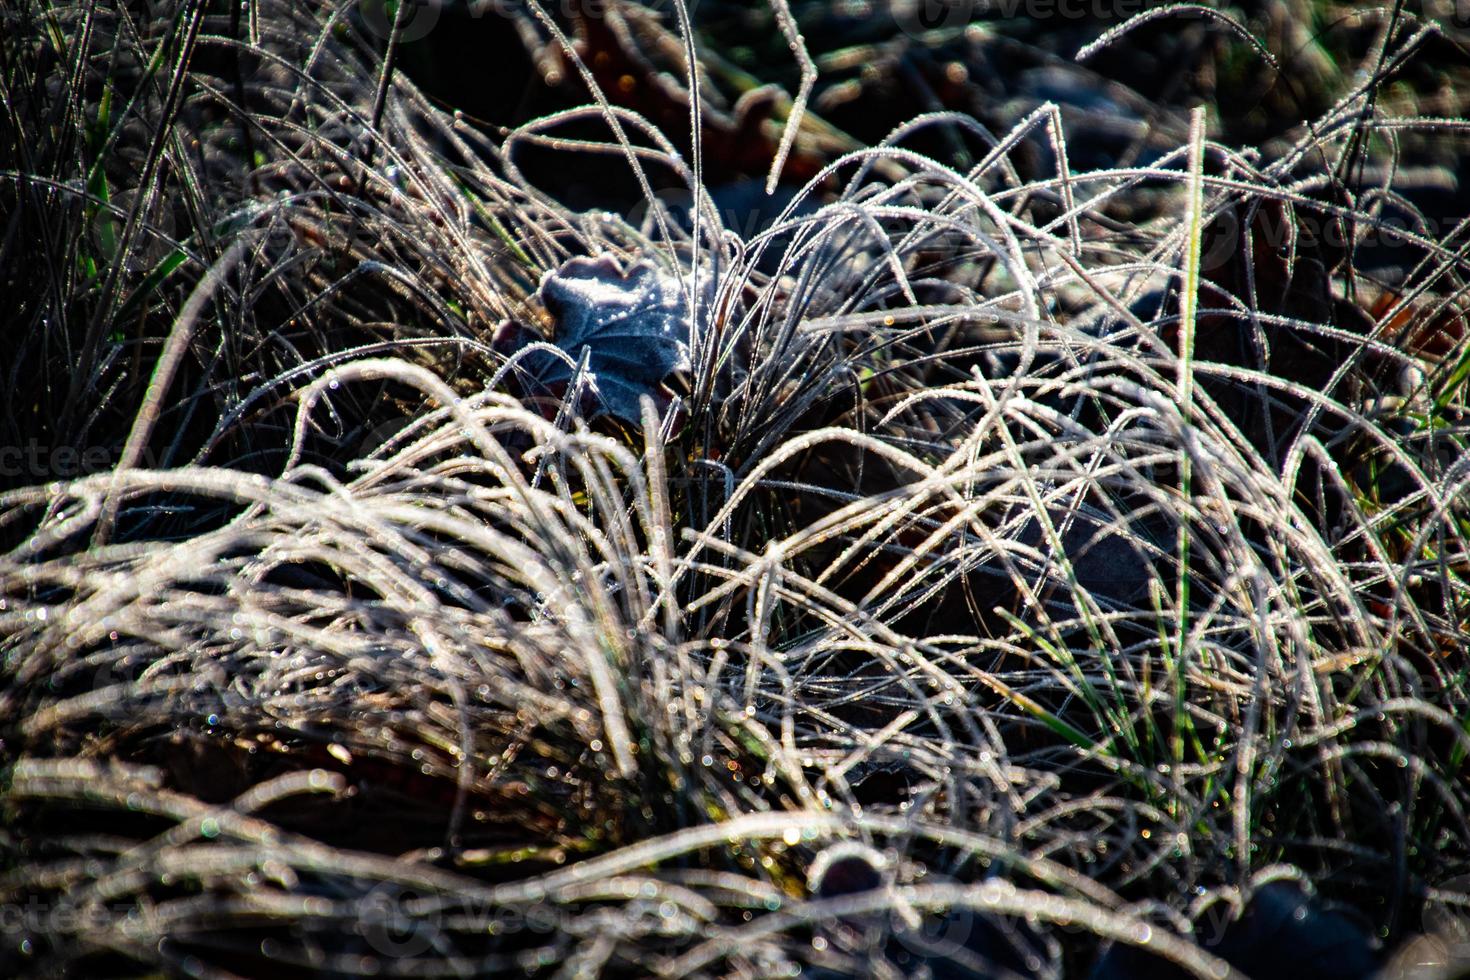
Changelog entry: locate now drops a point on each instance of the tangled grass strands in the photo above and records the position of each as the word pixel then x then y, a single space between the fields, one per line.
pixel 1027 539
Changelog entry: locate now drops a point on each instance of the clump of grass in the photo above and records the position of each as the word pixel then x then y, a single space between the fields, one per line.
pixel 1088 572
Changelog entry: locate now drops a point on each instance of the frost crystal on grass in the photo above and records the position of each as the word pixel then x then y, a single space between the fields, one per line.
pixel 633 326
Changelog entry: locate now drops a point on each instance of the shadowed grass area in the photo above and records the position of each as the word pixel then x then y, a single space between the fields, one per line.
pixel 1012 547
